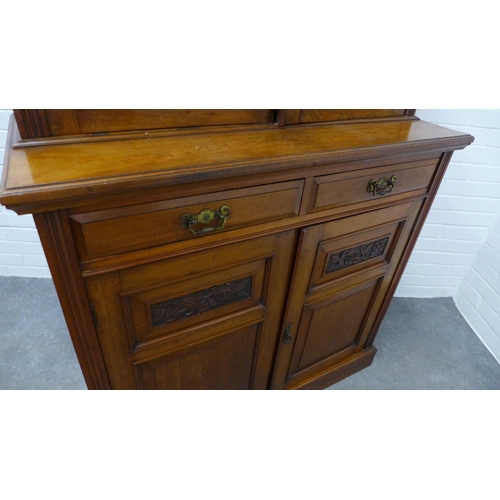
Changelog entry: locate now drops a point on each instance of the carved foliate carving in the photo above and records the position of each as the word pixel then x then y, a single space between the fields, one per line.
pixel 356 255
pixel 196 303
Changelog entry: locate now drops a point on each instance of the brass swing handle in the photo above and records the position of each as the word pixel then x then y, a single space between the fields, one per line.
pixel 382 186
pixel 202 223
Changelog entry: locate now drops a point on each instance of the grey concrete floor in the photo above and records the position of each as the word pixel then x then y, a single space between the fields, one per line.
pixel 426 344
pixel 422 344
pixel 36 351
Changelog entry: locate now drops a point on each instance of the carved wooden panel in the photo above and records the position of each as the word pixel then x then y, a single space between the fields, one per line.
pixel 355 255
pixel 164 309
pixel 358 251
pixel 197 303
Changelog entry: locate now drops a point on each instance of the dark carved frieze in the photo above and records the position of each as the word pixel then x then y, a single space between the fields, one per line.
pixel 205 300
pixel 356 255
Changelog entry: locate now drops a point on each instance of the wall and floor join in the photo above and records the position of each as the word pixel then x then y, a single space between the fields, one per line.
pixel 450 288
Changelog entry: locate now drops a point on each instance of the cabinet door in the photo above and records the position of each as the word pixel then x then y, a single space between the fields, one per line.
pixel 205 320
pixel 341 277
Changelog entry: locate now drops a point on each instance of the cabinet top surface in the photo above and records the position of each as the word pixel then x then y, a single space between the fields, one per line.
pixel 57 172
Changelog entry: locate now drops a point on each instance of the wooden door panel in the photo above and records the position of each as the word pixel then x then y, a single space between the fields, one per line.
pixel 342 274
pixel 158 311
pixel 159 321
pixel 223 362
pixel 332 329
pixel 338 257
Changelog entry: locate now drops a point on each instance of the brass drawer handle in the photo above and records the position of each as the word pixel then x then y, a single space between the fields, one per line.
pixel 197 224
pixel 381 187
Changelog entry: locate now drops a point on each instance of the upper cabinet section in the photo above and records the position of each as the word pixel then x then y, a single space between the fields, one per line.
pixel 40 123
pixel 39 126
pixel 299 116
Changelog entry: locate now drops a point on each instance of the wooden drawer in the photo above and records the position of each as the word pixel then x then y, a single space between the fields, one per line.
pixel 118 230
pixel 370 186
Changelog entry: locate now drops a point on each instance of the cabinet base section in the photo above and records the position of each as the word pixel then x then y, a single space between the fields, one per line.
pixel 350 367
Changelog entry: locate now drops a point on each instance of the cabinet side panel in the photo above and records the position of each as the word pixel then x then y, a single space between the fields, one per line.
pixel 412 239
pixel 56 240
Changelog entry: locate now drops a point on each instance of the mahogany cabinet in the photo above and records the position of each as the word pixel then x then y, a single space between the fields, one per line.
pixel 225 249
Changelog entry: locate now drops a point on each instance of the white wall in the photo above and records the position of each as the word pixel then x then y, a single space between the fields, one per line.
pixel 478 296
pixel 21 252
pixel 465 209
pixel 458 252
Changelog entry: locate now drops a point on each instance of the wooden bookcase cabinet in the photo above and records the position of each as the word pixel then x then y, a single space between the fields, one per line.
pixel 240 249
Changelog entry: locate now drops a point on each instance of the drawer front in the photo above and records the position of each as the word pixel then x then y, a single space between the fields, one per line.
pixel 119 230
pixel 370 186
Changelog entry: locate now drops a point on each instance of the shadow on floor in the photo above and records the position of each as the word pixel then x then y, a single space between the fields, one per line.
pixel 422 344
